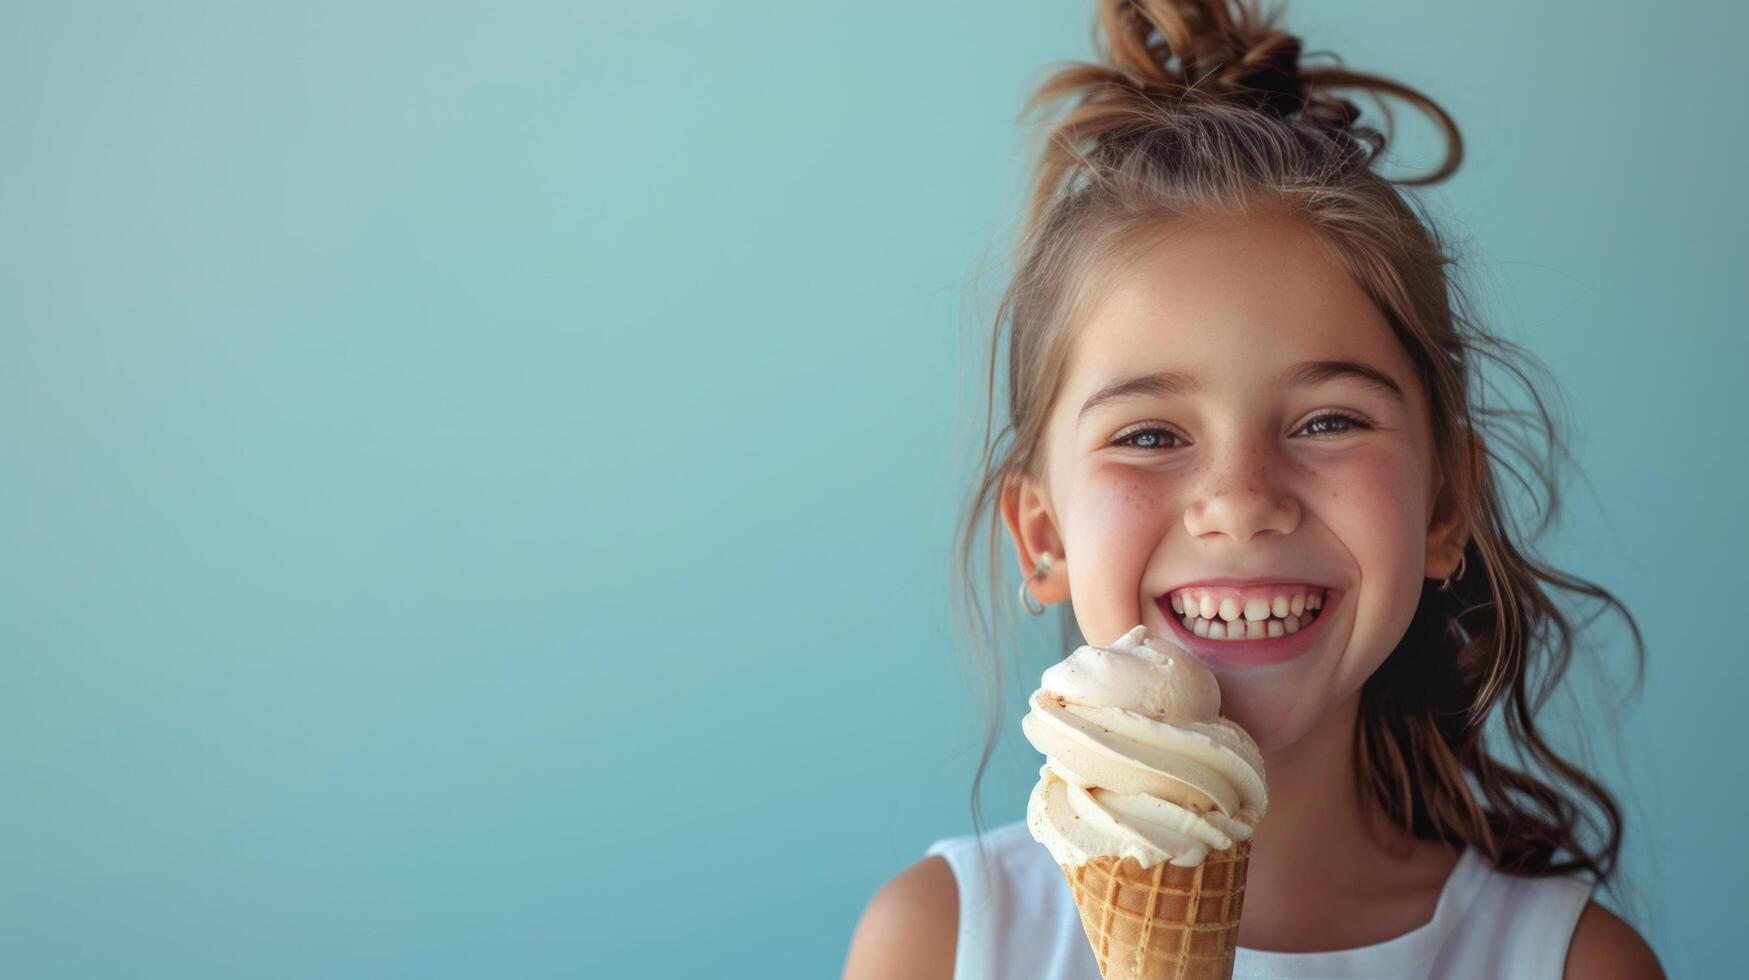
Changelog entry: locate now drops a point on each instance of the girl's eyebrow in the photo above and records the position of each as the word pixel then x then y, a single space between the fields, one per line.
pixel 1302 375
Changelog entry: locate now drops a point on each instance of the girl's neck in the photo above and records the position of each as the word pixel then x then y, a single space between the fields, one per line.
pixel 1368 882
pixel 1317 832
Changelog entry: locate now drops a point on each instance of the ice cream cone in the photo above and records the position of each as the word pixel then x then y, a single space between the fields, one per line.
pixel 1166 921
pixel 1147 800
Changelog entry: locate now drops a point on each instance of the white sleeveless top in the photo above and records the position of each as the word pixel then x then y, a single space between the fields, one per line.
pixel 1017 919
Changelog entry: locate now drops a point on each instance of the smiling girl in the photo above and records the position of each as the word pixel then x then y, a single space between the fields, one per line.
pixel 1239 375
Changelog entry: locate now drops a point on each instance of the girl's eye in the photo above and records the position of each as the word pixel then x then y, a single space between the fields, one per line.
pixel 1343 424
pixel 1347 422
pixel 1154 435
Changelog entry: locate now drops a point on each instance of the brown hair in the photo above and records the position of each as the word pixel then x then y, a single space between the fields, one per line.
pixel 1235 127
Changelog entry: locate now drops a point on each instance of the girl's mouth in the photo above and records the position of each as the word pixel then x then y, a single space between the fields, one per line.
pixel 1249 643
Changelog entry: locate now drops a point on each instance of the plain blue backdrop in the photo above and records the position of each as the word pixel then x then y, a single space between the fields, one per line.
pixel 476 480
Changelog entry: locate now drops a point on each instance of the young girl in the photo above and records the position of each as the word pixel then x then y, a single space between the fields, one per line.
pixel 1235 358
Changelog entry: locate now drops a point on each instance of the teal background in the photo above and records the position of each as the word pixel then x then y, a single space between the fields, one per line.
pixel 476 481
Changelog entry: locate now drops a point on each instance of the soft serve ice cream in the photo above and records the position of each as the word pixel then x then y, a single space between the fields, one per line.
pixel 1138 761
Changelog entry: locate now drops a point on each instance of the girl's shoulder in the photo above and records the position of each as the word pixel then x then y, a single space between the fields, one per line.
pixel 909 926
pixel 1606 946
pixel 1552 926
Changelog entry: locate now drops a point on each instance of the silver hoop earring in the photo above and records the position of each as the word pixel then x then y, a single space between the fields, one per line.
pixel 1026 598
pixel 1445 586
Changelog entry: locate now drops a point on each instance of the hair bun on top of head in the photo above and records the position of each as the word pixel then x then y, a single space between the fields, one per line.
pixel 1227 51
pixel 1160 55
pixel 1253 64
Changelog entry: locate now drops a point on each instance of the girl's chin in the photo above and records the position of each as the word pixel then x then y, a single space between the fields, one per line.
pixel 1269 703
pixel 1271 724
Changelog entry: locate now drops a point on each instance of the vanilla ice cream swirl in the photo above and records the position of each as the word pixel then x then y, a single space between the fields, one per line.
pixel 1138 761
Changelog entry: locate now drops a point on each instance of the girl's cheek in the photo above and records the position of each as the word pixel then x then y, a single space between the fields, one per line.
pixel 1374 508
pixel 1123 502
pixel 1119 517
pixel 1379 501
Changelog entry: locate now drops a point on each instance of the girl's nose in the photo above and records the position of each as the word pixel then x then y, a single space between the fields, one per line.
pixel 1240 496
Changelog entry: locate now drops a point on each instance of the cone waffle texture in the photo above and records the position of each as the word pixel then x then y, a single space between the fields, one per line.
pixel 1167 921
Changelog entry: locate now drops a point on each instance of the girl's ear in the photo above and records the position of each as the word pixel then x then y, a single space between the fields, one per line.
pixel 1448 530
pixel 1027 513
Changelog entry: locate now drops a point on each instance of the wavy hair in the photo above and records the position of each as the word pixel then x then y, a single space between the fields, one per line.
pixel 1200 107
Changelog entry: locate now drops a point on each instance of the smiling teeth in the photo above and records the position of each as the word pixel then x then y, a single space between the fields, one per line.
pixel 1250 629
pixel 1249 606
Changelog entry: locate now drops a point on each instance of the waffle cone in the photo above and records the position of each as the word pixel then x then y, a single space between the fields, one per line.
pixel 1167 921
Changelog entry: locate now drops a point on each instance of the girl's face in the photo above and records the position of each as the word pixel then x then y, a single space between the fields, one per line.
pixel 1241 472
